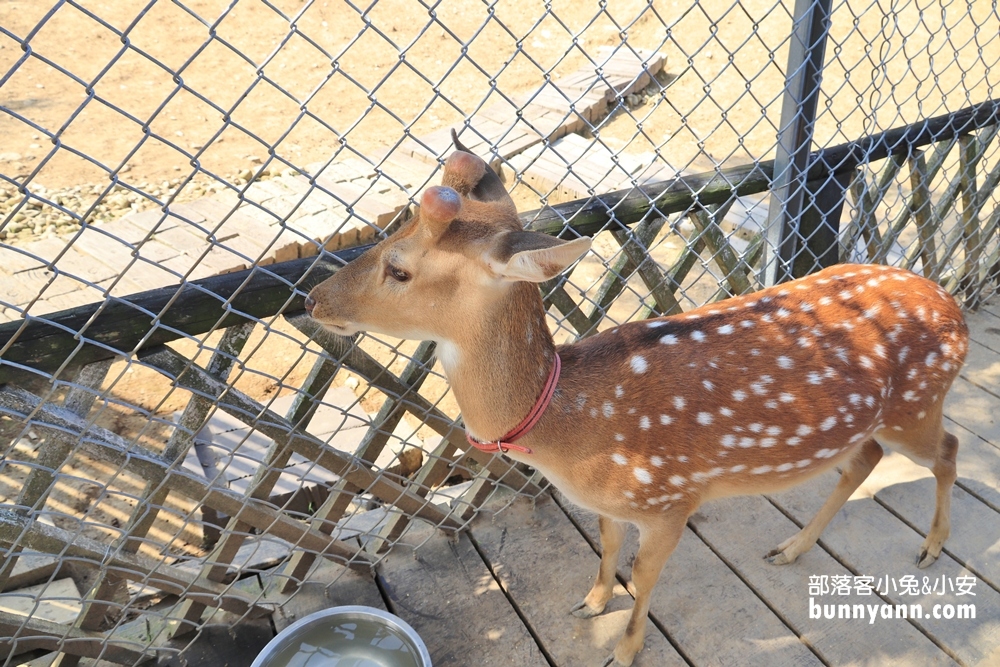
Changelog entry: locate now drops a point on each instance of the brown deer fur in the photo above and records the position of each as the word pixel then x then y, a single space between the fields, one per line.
pixel 652 418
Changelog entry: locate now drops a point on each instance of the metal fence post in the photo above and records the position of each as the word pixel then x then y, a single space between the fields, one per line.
pixel 791 194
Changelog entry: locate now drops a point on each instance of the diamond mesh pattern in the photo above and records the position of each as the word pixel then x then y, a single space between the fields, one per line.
pixel 182 446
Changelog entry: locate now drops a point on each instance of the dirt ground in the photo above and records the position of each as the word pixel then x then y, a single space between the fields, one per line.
pixel 343 78
pixel 228 87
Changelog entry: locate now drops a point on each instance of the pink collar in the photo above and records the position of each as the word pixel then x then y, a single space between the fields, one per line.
pixel 506 442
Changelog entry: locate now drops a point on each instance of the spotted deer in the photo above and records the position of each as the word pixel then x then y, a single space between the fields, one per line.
pixel 644 422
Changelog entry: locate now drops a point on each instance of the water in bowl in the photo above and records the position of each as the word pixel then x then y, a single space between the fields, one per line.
pixel 354 643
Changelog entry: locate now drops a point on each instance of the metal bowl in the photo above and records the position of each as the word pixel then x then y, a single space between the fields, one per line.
pixel 353 636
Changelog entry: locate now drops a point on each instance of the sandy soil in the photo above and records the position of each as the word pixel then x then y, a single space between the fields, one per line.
pixel 342 78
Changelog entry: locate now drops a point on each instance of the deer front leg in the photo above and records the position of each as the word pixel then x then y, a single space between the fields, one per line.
pixel 656 542
pixel 612 536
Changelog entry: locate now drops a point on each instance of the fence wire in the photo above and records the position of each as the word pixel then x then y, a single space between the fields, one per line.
pixel 182 447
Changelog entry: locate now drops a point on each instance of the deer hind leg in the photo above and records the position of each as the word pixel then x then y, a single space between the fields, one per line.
pixel 656 542
pixel 857 470
pixel 945 473
pixel 933 447
pixel 612 536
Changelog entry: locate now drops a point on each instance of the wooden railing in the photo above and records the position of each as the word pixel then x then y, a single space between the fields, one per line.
pixel 76 348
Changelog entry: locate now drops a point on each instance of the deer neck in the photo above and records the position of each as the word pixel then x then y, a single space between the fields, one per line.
pixel 498 365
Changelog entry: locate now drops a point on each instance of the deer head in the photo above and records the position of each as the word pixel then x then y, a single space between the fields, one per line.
pixel 462 255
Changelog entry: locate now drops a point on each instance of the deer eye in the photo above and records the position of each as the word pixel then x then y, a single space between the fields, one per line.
pixel 397 273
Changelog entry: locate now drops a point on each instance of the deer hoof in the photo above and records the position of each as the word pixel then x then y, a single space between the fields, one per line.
pixel 582 610
pixel 776 557
pixel 613 662
pixel 925 559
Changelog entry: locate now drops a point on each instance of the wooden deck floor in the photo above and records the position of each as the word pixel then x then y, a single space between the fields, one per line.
pixel 500 595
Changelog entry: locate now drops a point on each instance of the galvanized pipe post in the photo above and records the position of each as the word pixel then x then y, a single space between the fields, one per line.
pixel 795 201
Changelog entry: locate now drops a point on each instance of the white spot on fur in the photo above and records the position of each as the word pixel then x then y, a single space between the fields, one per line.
pixel 707 384
pixel 726 329
pixel 619 392
pixel 656 461
pixel 728 440
pixel 679 402
pixel 726 412
pixel 784 362
pixel 828 423
pixel 804 429
pixel 666 420
pixel 739 395
pixel 608 409
pixel 639 365
pixel 642 475
pixel 677 480
pixel 644 423
pixel 794 440
pixel 669 339
pixel 619 459
pixel 697 336
pixel 760 470
pixel 705 418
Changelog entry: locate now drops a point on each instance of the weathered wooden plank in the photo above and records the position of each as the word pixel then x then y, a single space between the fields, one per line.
pixel 288 439
pixel 120 326
pixel 49 539
pixel 984 329
pixel 60 424
pixel 444 590
pixel 697 590
pixel 35 634
pixel 41 479
pixel 893 552
pixel 154 495
pixel 546 566
pixel 923 213
pixel 742 530
pixel 868 201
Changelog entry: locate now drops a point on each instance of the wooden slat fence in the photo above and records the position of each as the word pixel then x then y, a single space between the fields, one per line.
pixel 918 196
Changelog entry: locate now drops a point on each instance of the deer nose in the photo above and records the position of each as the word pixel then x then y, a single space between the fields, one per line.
pixel 310 304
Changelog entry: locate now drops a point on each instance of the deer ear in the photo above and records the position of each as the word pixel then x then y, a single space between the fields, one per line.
pixel 533 257
pixel 438 207
pixel 472 177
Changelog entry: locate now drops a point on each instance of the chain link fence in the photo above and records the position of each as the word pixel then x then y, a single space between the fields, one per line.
pixel 183 448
